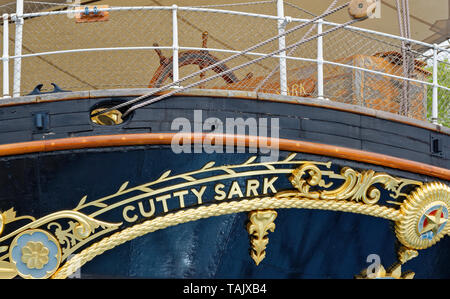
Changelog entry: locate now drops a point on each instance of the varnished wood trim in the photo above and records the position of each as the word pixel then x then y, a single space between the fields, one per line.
pixel 166 139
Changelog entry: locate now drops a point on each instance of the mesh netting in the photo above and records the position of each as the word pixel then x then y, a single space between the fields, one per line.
pixel 360 68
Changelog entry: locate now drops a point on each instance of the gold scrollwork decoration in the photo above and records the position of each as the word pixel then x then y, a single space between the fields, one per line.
pixel 394 272
pixel 27 253
pixel 406 254
pixel 357 186
pixel 261 222
pixel 303 185
pixel 317 186
pixel 79 231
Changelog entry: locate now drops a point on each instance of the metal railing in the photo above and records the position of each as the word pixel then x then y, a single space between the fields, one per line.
pixel 351 65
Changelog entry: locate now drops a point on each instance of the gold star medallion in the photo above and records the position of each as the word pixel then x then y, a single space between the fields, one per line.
pixel 425 216
pixel 433 221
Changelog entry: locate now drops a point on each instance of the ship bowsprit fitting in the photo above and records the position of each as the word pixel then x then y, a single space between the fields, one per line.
pixel 266 139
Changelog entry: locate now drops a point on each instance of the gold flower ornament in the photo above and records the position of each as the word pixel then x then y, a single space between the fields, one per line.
pixel 35 255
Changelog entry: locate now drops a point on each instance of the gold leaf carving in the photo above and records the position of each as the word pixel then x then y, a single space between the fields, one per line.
pixel 81 203
pixel 303 185
pixel 229 171
pixel 9 216
pixel 77 231
pixel 406 254
pixel 357 186
pixel 250 160
pixel 261 222
pixel 290 157
pixel 123 187
pixel 188 178
pixel 208 165
pixel 394 272
pixel 268 166
pixel 99 204
pixel 144 189
pixel 164 175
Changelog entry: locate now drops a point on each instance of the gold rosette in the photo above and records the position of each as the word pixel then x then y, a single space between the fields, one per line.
pixel 425 216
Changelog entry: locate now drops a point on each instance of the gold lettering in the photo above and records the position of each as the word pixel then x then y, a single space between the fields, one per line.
pixel 294 91
pixel 199 194
pixel 252 187
pixel 152 208
pixel 235 190
pixel 302 90
pixel 181 195
pixel 125 215
pixel 218 188
pixel 163 198
pixel 297 90
pixel 268 184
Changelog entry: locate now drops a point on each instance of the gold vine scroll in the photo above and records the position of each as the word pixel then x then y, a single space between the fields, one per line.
pixel 80 230
pixel 347 190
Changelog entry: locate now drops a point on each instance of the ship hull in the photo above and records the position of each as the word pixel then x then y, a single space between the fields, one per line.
pixel 168 212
